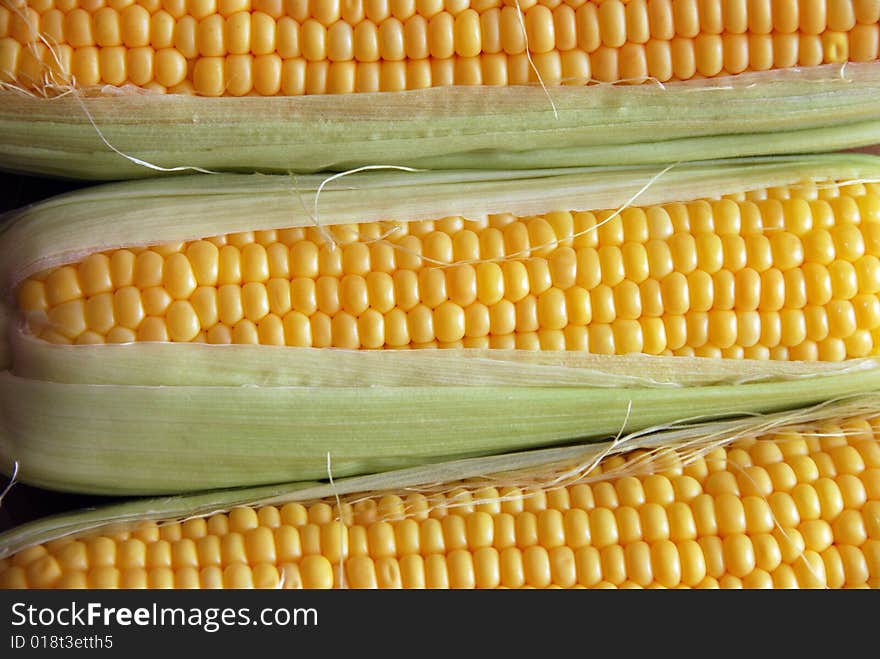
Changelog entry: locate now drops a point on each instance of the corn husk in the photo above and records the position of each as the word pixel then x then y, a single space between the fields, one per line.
pixel 167 418
pixel 545 468
pixel 121 133
pixel 156 211
pixel 131 439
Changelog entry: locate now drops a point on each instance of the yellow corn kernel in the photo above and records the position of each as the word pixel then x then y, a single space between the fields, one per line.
pixel 700 278
pixel 268 48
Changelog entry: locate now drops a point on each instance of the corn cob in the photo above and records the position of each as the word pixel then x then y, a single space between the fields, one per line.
pixel 292 391
pixel 267 47
pixel 791 501
pixel 789 273
pixel 486 89
pixel 495 396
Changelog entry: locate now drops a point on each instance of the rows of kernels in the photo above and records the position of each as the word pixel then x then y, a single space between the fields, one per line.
pixel 793 509
pixel 296 47
pixel 779 274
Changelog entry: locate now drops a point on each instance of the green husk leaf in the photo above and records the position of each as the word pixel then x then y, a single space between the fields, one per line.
pixel 175 364
pixel 65 228
pixel 788 111
pixel 127 439
pixel 527 467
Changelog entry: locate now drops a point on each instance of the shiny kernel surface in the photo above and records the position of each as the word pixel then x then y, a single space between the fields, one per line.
pixel 672 527
pixel 702 277
pixel 330 47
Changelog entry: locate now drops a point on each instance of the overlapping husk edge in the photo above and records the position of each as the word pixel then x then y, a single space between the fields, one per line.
pixel 548 468
pixel 111 133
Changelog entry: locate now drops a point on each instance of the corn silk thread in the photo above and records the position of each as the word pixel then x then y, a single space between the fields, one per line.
pixel 11 483
pixel 322 228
